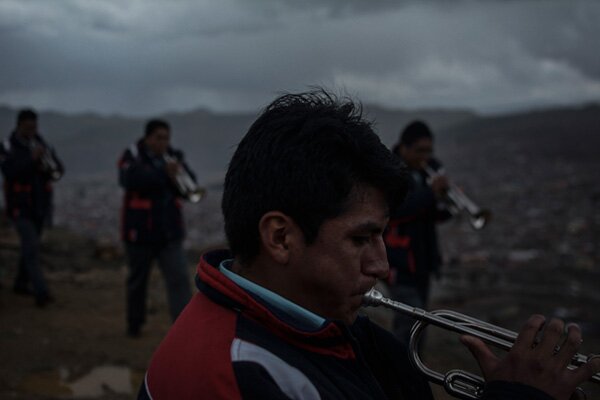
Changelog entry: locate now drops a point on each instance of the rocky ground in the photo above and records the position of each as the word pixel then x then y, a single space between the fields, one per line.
pixel 76 347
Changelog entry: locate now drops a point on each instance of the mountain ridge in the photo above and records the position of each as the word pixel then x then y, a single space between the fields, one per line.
pixel 91 143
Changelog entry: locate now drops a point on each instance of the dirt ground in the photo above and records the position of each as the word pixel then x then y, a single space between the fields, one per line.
pixel 76 348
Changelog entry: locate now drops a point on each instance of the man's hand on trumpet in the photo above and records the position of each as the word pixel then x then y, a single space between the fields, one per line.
pixel 440 185
pixel 539 358
pixel 37 152
pixel 173 167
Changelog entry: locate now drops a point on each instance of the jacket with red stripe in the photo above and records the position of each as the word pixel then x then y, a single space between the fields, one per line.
pixel 152 205
pixel 27 188
pixel 229 344
pixel 411 237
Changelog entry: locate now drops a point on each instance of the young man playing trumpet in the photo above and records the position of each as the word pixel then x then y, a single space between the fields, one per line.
pixel 411 237
pixel 152 226
pixel 307 197
pixel 29 166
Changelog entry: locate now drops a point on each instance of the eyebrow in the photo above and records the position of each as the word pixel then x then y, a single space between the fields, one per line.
pixel 368 227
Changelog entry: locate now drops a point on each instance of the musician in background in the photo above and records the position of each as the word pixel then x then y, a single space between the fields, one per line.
pixel 29 166
pixel 411 238
pixel 152 226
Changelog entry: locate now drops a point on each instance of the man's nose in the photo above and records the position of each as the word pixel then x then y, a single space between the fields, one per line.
pixel 376 263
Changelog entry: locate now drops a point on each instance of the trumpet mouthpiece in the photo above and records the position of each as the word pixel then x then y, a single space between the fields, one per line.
pixel 372 298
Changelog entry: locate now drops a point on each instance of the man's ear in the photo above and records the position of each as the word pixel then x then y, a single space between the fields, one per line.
pixel 278 234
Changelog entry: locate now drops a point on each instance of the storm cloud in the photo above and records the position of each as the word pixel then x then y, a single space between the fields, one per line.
pixel 145 57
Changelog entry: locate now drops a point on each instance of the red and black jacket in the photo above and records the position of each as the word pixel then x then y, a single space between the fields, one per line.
pixel 27 187
pixel 228 344
pixel 411 237
pixel 152 205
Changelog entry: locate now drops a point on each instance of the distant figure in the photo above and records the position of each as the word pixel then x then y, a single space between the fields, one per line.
pixel 411 237
pixel 29 166
pixel 152 226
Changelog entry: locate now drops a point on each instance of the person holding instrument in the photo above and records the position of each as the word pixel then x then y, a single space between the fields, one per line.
pixel 307 196
pixel 29 166
pixel 152 225
pixel 411 237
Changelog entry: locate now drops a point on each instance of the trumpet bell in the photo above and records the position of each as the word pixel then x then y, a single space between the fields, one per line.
pixel 56 175
pixel 457 202
pixel 480 219
pixel 185 184
pixel 196 196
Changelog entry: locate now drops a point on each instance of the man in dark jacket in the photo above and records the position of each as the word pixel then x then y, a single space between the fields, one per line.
pixel 152 221
pixel 29 166
pixel 411 237
pixel 306 199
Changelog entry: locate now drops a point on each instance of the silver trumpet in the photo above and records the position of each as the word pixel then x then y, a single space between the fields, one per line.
pixel 48 161
pixel 459 383
pixel 185 184
pixel 459 202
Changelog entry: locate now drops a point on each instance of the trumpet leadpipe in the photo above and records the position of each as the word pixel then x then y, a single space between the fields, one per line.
pixel 459 202
pixel 185 184
pixel 462 324
pixel 48 161
pixel 446 319
pixel 50 164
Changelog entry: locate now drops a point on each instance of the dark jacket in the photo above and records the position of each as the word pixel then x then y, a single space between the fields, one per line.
pixel 152 205
pixel 27 187
pixel 229 344
pixel 411 237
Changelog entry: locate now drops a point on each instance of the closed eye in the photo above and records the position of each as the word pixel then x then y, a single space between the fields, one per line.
pixel 361 240
pixel 367 233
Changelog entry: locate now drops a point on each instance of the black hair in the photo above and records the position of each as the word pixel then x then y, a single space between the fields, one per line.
pixel 303 156
pixel 154 124
pixel 412 133
pixel 26 114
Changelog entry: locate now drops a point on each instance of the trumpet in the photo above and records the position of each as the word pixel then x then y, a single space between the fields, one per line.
pixel 48 161
pixel 185 184
pixel 459 383
pixel 458 201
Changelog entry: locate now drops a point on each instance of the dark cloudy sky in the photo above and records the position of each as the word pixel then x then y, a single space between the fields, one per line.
pixel 144 57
